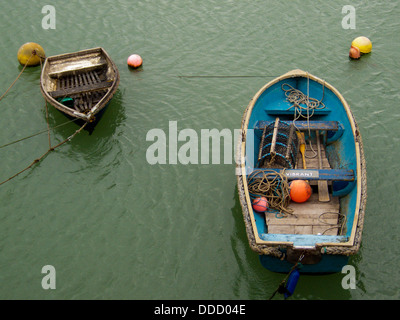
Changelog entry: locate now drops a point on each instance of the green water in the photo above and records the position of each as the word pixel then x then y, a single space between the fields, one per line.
pixel 116 227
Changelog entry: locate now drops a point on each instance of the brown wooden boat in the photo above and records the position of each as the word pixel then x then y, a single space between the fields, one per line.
pixel 79 84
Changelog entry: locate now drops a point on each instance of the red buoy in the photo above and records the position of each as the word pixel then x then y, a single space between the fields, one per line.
pixel 135 61
pixel 354 53
pixel 300 191
pixel 260 204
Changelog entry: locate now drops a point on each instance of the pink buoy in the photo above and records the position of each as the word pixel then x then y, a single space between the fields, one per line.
pixel 354 53
pixel 135 61
pixel 260 204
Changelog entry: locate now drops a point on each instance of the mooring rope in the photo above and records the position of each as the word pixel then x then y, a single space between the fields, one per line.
pixel 33 53
pixel 40 132
pixel 272 185
pixel 48 131
pixel 36 134
pixel 46 153
pixel 281 288
pixel 224 76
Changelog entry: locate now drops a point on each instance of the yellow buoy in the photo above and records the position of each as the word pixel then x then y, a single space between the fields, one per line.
pixel 30 54
pixel 362 43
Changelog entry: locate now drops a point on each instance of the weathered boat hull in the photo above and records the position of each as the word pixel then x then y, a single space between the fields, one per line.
pixel 80 84
pixel 327 264
pixel 300 237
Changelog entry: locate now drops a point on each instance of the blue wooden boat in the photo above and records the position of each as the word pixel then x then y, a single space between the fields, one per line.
pixel 294 111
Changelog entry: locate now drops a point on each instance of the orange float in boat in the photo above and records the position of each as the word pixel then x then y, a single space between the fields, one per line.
pixel 300 191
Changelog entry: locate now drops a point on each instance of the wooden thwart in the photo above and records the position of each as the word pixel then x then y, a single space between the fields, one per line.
pixel 81 89
pixel 74 71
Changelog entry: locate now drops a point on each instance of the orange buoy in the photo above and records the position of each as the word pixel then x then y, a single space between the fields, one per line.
pixel 300 191
pixel 354 53
pixel 260 204
pixel 135 61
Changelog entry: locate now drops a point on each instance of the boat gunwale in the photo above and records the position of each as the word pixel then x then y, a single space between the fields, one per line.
pixel 353 242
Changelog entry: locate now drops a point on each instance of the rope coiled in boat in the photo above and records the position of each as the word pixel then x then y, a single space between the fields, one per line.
pixel 272 185
pixel 297 97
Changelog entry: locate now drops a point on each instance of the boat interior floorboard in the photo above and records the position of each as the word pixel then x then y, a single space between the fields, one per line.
pixel 72 84
pixel 313 216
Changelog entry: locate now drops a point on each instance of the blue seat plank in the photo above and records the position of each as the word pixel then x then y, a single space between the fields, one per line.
pixel 305 125
pixel 312 174
pixel 286 108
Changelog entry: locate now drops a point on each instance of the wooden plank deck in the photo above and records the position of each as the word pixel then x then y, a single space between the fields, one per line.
pixel 313 216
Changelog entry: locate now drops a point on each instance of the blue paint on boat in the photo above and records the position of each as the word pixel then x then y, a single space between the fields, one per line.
pixel 343 147
pixel 328 264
